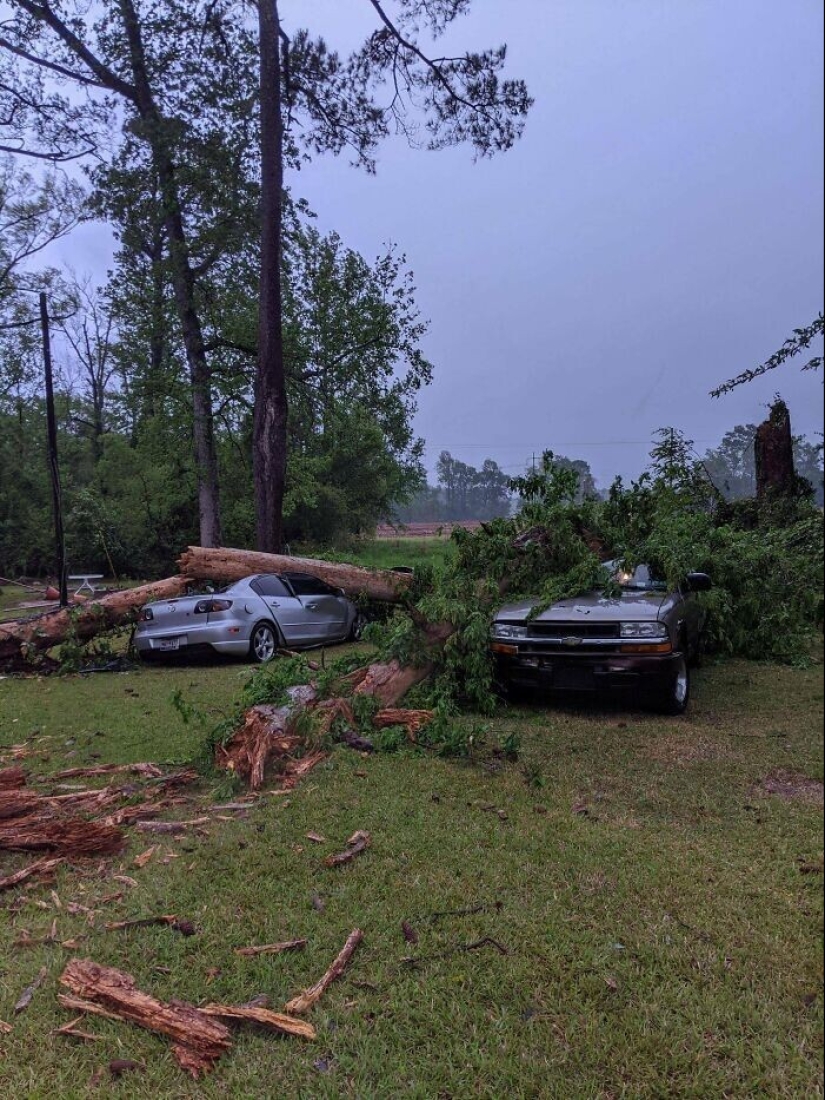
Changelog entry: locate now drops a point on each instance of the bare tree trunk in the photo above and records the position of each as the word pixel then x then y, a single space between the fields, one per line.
pixel 225 565
pixel 183 282
pixel 269 447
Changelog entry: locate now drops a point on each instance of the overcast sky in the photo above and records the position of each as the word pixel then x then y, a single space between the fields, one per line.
pixel 658 228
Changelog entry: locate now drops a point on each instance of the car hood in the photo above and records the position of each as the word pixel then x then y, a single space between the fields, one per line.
pixel 592 607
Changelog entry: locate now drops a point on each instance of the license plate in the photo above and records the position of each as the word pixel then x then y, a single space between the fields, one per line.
pixel 169 643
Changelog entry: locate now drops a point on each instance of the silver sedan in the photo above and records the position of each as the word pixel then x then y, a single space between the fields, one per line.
pixel 253 617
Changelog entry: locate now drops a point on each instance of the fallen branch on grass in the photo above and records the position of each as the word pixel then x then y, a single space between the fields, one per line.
pixel 271 948
pixel 185 927
pixel 39 867
pixel 304 1001
pixel 263 1017
pixel 357 843
pixel 199 1040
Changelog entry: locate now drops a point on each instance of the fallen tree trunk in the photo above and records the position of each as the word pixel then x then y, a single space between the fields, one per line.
pixel 21 639
pixel 226 565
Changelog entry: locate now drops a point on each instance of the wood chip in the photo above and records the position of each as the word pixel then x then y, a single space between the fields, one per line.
pixel 304 1001
pixel 5 1029
pixel 24 1000
pixel 144 857
pixel 316 838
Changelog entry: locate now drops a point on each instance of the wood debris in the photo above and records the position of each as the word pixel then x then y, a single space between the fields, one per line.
pixel 357 843
pixel 271 948
pixel 199 1040
pixel 144 857
pixel 75 1032
pixel 12 778
pixel 44 866
pixel 185 927
pixel 264 1017
pixel 411 720
pixel 304 1001
pixel 172 827
pixel 5 1029
pixel 24 1000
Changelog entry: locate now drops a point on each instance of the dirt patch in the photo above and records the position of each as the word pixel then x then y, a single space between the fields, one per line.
pixel 681 750
pixel 792 786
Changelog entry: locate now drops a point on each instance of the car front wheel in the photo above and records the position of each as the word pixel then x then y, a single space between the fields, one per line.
pixel 263 643
pixel 674 699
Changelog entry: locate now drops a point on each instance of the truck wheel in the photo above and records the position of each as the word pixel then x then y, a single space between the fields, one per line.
pixel 675 698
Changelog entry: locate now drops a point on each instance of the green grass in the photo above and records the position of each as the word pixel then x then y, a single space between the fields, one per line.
pixel 389 553
pixel 661 938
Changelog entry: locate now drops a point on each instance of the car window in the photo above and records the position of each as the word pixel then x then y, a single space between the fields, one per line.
pixel 270 585
pixel 303 584
pixel 642 579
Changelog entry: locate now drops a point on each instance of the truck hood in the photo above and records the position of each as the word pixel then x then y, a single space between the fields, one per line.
pixel 592 607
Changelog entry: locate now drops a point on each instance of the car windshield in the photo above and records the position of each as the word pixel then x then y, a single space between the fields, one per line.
pixel 641 579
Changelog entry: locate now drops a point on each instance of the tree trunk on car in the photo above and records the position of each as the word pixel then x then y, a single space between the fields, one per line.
pixel 23 639
pixel 224 565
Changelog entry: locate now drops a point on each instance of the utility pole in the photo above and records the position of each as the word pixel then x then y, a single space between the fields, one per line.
pixel 52 441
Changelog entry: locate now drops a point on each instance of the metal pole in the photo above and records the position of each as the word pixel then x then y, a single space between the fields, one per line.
pixel 52 440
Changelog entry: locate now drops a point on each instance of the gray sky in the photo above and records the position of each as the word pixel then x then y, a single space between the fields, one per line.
pixel 658 228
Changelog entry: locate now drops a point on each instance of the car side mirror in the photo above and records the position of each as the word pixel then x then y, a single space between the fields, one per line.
pixel 698 582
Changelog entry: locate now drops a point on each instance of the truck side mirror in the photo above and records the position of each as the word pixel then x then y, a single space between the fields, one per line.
pixel 698 582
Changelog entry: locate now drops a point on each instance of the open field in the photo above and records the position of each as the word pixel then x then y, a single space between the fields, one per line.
pixel 661 912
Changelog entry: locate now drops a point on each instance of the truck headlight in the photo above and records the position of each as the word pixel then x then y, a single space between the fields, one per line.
pixel 508 630
pixel 643 630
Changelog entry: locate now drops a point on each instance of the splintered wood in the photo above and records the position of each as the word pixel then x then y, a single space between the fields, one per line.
pixel 199 1037
pixel 357 843
pixel 271 948
pixel 81 823
pixel 304 1001
pixel 199 1040
pixel 263 1017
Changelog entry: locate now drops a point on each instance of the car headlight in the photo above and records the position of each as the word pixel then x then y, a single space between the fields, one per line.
pixel 508 630
pixel 643 630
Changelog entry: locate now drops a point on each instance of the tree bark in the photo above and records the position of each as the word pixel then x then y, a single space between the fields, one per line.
pixel 199 1039
pixel 20 638
pixel 773 446
pixel 183 280
pixel 225 565
pixel 269 443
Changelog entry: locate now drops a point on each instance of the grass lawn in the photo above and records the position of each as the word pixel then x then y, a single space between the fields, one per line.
pixel 391 553
pixel 662 917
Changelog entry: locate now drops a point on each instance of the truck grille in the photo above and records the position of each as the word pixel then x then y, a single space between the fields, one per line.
pixel 573 630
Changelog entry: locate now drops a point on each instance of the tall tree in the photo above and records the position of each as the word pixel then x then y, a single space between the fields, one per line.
pixel 344 104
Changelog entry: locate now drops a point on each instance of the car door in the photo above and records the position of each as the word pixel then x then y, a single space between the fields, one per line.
pixel 324 606
pixel 298 628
